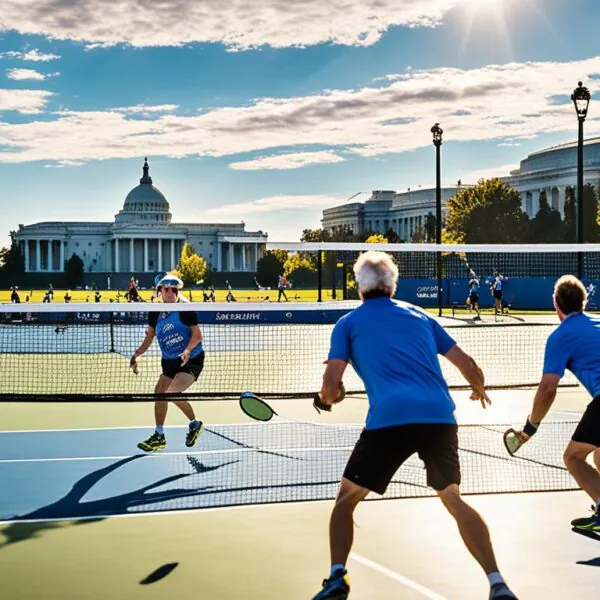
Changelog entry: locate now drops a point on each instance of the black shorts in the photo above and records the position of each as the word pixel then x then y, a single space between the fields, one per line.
pixel 588 430
pixel 172 366
pixel 379 453
pixel 474 298
pixel 498 294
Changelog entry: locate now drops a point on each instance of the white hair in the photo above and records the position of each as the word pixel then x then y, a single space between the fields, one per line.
pixel 376 271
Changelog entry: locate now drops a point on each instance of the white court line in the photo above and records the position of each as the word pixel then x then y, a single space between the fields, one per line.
pixel 207 426
pixel 167 454
pixel 413 585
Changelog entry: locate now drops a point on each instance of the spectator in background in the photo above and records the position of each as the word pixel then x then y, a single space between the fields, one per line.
pixel 282 284
pixel 14 295
pixel 68 296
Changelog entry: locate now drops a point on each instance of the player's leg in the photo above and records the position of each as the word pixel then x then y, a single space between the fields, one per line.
pixel 439 451
pixel 371 466
pixel 586 441
pixel 181 382
pixel 157 440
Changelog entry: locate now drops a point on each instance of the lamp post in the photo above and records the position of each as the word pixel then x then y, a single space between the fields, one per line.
pixel 581 99
pixel 437 132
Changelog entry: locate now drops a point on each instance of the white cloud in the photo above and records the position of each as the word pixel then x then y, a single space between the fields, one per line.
pixel 147 109
pixel 295 160
pixel 23 101
pixel 471 105
pixel 487 173
pixel 28 74
pixel 65 163
pixel 239 24
pixel 274 203
pixel 33 55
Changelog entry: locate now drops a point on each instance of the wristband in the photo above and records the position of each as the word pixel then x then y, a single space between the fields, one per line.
pixel 530 428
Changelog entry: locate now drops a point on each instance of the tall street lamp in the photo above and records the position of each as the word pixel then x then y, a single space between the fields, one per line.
pixel 581 99
pixel 437 132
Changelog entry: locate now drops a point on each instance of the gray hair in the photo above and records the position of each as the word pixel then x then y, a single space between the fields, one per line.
pixel 376 271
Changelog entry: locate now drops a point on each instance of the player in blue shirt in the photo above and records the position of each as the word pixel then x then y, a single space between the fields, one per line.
pixel 497 291
pixel 473 300
pixel 394 347
pixel 574 345
pixel 180 341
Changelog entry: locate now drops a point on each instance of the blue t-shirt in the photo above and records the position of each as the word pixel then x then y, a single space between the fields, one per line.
pixel 575 345
pixel 474 286
pixel 173 332
pixel 393 346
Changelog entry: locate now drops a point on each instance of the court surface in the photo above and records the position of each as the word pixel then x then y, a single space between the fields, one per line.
pixel 83 515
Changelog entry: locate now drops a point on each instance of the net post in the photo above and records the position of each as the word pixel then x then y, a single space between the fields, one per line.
pixel 112 331
pixel 319 276
pixel 344 282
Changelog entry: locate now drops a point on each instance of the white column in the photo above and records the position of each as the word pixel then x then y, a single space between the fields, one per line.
pixel 219 256
pixel 61 266
pixel 27 265
pixel 131 257
pixel 116 255
pixel 159 255
pixel 561 200
pixel 231 257
pixel 145 255
pixel 38 262
pixel 255 261
pixel 172 254
pixel 243 257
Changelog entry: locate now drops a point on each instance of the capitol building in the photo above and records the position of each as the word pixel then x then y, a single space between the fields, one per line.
pixel 142 239
pixel 550 171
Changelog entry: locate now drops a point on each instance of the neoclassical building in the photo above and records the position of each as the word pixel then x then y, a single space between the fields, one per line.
pixel 403 212
pixel 142 239
pixel 552 170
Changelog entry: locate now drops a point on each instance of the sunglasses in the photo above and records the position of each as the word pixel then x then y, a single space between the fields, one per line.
pixel 168 288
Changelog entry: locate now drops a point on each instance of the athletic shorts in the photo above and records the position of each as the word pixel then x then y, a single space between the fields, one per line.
pixel 474 298
pixel 379 453
pixel 588 430
pixel 498 294
pixel 172 366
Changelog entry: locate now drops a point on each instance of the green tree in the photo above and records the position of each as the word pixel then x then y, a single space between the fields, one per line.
pixel 591 228
pixel 270 266
pixel 300 268
pixel 488 213
pixel 191 268
pixel 12 262
pixel 547 225
pixel 74 271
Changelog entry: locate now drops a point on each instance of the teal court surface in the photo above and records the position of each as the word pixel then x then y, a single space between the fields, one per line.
pixel 244 514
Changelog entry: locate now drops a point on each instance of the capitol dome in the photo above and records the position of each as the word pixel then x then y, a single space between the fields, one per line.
pixel 145 204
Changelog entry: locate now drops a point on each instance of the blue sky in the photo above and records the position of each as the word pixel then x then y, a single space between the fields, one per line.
pixel 268 111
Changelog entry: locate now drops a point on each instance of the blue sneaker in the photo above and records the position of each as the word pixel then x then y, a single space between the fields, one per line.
pixel 591 523
pixel 337 587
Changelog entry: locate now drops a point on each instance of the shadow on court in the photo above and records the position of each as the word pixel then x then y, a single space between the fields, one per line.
pixel 71 506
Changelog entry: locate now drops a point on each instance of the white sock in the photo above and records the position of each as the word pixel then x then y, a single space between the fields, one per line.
pixel 495 578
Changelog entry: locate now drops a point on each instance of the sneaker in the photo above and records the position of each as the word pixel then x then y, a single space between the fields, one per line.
pixel 337 587
pixel 591 523
pixel 155 442
pixel 501 590
pixel 193 434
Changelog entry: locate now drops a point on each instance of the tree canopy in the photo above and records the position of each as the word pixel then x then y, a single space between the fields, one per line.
pixel 488 213
pixel 192 268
